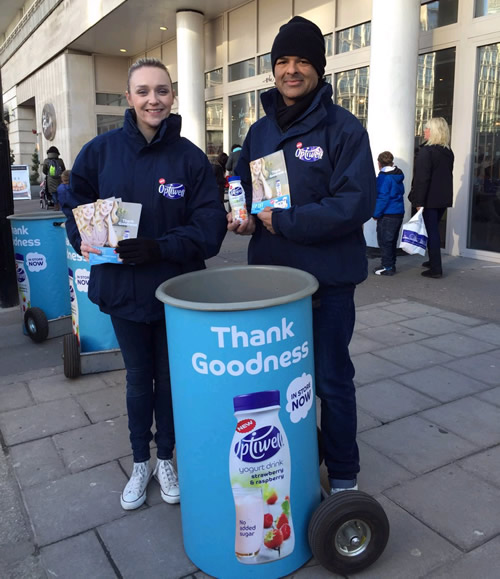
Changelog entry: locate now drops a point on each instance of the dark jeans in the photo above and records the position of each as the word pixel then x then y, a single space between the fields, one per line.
pixel 432 217
pixel 388 227
pixel 333 325
pixel 144 350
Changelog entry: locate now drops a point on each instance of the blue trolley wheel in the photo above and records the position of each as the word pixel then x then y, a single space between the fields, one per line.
pixel 71 355
pixel 36 324
pixel 348 532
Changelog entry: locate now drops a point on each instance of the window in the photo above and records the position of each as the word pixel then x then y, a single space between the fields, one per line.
pixel 485 7
pixel 243 69
pixel 353 38
pixel 107 123
pixel 438 13
pixel 351 92
pixel 213 78
pixel 264 64
pixel 484 211
pixel 329 44
pixel 435 81
pixel 110 99
pixel 242 108
pixel 214 128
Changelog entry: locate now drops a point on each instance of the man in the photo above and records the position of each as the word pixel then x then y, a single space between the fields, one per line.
pixel 332 187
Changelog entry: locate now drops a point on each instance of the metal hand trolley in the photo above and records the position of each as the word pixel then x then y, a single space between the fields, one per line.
pixel 240 344
pixel 41 273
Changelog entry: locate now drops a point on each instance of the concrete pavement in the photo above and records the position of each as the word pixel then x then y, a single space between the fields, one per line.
pixel 427 358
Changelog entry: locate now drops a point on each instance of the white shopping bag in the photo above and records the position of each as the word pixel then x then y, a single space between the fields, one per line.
pixel 414 237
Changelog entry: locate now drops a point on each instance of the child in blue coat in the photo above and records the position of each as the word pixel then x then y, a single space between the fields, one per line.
pixel 389 211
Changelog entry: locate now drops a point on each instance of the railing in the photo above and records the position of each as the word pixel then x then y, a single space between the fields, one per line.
pixel 31 20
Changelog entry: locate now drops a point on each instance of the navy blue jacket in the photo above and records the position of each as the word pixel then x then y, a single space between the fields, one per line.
pixel 189 226
pixel 332 186
pixel 390 193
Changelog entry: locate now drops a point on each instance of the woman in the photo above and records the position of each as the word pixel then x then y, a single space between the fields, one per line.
pixel 105 217
pixel 182 224
pixel 432 187
pixel 52 167
pixel 219 168
pixel 260 186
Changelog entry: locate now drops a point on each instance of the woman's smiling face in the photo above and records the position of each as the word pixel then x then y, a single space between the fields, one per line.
pixel 150 94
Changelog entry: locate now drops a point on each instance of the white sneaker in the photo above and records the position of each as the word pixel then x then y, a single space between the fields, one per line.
pixel 334 491
pixel 165 474
pixel 134 494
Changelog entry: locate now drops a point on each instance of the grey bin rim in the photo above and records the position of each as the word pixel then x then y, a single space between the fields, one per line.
pixel 310 285
pixel 37 215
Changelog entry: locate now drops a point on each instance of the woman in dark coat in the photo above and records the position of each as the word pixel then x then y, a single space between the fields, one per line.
pixel 219 168
pixel 432 187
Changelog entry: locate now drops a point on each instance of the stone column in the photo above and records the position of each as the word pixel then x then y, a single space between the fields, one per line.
pixel 190 73
pixel 395 33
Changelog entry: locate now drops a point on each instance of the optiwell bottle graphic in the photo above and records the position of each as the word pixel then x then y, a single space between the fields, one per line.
pixel 23 284
pixel 259 466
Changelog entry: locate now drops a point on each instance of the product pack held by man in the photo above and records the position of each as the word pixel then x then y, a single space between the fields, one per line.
pixel 333 192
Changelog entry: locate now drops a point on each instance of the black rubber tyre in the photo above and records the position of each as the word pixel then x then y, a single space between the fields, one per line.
pixel 36 324
pixel 321 453
pixel 71 355
pixel 348 532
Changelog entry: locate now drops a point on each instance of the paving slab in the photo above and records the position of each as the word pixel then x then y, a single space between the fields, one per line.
pixel 110 402
pixel 37 462
pixel 75 503
pixel 483 563
pixel 365 420
pixel 412 550
pixel 80 557
pixel 392 335
pixel 453 502
pixel 413 309
pixel 469 418
pixel 96 444
pixel 388 400
pixel 14 396
pixel 42 420
pixel 492 396
pixel 485 465
pixel 484 367
pixel 30 374
pixel 378 472
pixel 378 317
pixel 417 444
pixel 89 383
pixel 359 345
pixel 411 356
pixel 442 383
pixel 49 388
pixel 486 332
pixel 370 368
pixel 157 549
pixel 433 325
pixel 460 318
pixel 457 345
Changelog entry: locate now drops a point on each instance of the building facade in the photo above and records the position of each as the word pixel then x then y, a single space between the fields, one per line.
pixel 393 63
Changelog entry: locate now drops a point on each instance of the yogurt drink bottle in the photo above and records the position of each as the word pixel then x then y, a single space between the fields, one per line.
pixel 259 460
pixel 278 188
pixel 237 200
pixel 23 284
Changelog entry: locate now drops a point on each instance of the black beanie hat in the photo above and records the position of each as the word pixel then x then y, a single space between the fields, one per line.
pixel 53 150
pixel 300 37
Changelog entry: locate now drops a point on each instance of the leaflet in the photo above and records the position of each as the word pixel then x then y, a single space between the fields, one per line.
pixel 270 186
pixel 106 222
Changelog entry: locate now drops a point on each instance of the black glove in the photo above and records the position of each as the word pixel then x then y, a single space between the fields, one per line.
pixel 139 250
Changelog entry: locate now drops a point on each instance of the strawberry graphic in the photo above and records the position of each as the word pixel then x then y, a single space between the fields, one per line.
pixel 283 520
pixel 273 539
pixel 285 531
pixel 273 497
pixel 268 520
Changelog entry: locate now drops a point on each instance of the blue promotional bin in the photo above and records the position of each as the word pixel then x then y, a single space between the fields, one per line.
pixel 242 370
pixel 92 346
pixel 42 273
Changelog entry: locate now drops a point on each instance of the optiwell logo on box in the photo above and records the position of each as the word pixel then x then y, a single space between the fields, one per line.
pixel 82 277
pixel 36 261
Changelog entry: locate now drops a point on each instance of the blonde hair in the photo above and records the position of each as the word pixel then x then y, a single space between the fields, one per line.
pixel 439 132
pixel 113 213
pixel 147 62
